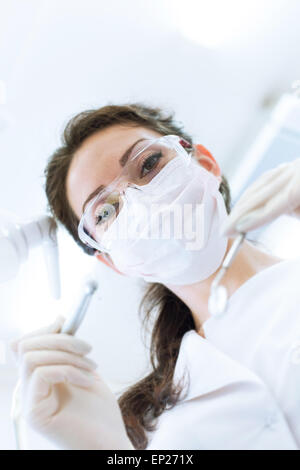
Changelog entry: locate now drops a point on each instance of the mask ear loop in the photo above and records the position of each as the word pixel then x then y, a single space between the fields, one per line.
pixel 105 259
pixel 206 152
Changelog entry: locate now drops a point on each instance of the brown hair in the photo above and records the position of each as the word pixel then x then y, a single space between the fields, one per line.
pixel 146 400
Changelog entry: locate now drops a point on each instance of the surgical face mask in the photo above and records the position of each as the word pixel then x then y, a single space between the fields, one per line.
pixel 167 229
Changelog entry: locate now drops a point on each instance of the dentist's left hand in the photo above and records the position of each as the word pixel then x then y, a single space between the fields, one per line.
pixel 274 193
pixel 62 396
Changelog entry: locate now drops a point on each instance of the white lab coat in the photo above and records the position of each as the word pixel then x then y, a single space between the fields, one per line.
pixel 245 376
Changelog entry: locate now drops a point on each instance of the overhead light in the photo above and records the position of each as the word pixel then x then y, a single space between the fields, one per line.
pixel 216 23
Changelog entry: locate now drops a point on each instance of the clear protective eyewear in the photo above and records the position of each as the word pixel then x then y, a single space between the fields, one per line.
pixel 145 161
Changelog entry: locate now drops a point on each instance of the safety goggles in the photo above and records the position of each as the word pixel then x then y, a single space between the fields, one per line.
pixel 145 161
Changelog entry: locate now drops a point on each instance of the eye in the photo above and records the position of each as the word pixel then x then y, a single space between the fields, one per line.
pixel 106 212
pixel 150 163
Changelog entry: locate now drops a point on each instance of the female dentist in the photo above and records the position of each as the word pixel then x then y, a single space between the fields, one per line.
pixel 242 368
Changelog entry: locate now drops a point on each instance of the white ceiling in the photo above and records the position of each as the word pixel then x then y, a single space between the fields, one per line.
pixel 58 57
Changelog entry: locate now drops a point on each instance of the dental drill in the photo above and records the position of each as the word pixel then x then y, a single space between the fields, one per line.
pixel 218 298
pixel 70 327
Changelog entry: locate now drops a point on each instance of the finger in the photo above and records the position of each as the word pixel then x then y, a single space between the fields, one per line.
pixel 39 403
pixel 250 203
pixel 32 359
pixel 265 179
pixel 59 342
pixel 229 230
pixel 54 327
pixel 255 219
pixel 254 198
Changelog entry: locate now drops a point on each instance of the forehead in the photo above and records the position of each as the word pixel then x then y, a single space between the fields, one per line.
pixel 97 161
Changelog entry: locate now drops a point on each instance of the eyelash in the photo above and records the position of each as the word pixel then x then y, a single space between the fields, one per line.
pixel 158 154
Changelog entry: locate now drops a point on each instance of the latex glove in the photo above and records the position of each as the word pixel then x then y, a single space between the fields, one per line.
pixel 274 193
pixel 62 397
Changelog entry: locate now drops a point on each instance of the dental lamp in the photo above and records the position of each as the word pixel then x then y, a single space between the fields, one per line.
pixel 17 239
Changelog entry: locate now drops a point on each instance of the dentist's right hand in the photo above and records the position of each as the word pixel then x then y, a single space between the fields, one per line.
pixel 62 397
pixel 274 193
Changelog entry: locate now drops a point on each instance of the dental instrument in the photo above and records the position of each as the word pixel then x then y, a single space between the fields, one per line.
pixel 218 298
pixel 70 327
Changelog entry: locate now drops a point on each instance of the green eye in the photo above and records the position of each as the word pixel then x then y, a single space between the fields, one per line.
pixel 105 213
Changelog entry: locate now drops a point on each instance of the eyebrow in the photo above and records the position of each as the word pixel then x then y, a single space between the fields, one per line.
pixel 122 161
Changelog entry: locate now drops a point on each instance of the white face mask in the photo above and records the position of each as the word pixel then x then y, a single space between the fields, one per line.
pixel 190 191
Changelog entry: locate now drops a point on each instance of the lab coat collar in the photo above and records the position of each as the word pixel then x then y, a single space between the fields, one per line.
pixel 207 367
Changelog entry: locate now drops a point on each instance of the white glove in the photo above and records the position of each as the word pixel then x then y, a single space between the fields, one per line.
pixel 61 395
pixel 274 193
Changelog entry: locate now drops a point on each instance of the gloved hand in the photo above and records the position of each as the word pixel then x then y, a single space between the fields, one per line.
pixel 62 396
pixel 274 193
